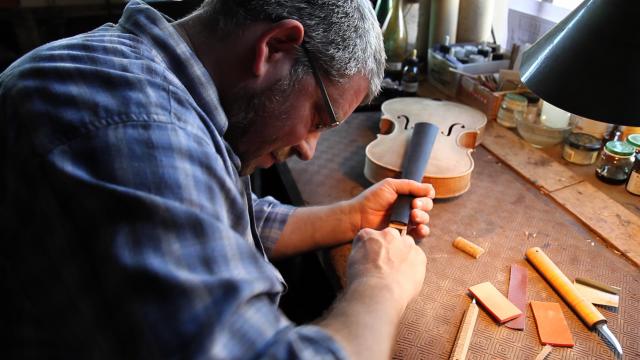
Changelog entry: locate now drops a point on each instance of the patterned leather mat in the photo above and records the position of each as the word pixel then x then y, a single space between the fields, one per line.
pixel 505 215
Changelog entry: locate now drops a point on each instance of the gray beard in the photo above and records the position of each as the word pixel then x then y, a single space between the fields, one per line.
pixel 246 110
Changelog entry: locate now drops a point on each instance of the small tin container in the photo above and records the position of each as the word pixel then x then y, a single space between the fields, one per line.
pixel 581 149
pixel 615 162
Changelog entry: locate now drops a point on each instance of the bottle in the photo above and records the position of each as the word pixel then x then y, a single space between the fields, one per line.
pixel 409 82
pixel 615 162
pixel 382 10
pixel 614 134
pixel 633 184
pixel 394 32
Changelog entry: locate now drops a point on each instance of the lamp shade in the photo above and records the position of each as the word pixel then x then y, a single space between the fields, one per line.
pixel 589 63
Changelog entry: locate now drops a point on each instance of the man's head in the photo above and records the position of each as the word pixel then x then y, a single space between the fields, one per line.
pixel 273 98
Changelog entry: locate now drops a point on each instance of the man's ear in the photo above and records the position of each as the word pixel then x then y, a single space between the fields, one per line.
pixel 276 47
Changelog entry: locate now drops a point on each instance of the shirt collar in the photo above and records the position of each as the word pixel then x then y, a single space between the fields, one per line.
pixel 145 22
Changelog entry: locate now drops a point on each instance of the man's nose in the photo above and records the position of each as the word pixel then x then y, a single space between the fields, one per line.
pixel 307 147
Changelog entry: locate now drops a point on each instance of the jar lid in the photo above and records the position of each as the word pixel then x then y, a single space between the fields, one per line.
pixel 634 139
pixel 583 141
pixel 620 148
pixel 516 97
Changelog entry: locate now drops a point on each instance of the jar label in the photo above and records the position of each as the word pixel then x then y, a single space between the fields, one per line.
pixel 633 186
pixel 570 154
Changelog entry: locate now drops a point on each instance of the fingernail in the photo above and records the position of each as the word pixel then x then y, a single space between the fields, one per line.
pixel 418 203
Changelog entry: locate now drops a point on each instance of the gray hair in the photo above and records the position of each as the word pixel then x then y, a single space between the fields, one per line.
pixel 343 36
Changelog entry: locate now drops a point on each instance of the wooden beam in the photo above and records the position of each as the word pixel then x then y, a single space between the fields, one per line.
pixel 606 217
pixel 615 224
pixel 541 169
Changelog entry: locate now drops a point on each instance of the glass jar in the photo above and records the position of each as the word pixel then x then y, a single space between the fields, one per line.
pixel 615 162
pixel 634 140
pixel 533 103
pixel 633 185
pixel 513 106
pixel 581 149
pixel 630 130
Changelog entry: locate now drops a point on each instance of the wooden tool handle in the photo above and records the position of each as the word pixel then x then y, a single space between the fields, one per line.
pixel 585 310
pixel 415 162
pixel 464 334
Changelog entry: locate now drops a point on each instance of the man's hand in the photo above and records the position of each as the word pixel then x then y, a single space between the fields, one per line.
pixel 390 260
pixel 372 208
pixel 385 272
pixel 311 228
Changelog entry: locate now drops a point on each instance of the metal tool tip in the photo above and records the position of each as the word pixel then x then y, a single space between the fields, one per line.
pixel 607 334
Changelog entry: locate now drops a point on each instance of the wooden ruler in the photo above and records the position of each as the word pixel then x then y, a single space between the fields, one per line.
pixel 464 334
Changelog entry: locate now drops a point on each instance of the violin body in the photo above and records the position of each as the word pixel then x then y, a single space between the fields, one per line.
pixel 450 165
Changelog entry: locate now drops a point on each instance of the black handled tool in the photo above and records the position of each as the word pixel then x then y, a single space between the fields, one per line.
pixel 414 163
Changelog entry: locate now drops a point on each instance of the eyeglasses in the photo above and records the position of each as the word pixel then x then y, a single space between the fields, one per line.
pixel 323 91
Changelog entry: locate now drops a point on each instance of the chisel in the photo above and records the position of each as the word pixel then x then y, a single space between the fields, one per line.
pixel 561 284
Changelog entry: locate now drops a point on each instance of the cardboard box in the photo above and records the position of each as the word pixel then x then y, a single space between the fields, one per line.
pixel 445 80
pixel 471 92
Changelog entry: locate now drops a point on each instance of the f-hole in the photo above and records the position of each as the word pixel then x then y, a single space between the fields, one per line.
pixel 451 129
pixel 406 121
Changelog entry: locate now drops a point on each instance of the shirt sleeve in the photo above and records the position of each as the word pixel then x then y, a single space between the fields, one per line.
pixel 271 216
pixel 152 206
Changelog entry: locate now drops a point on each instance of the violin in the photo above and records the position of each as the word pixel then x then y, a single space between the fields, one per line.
pixel 450 165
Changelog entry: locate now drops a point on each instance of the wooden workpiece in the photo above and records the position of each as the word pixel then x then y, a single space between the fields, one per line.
pixel 551 324
pixel 463 340
pixel 518 295
pixel 468 247
pixel 494 302
pixel 597 296
pixel 598 285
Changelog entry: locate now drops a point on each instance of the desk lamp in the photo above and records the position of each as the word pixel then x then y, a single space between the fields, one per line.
pixel 589 63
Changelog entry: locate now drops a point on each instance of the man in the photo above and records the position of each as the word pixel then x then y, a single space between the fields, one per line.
pixel 129 229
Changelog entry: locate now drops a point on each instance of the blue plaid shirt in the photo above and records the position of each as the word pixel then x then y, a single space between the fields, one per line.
pixel 126 229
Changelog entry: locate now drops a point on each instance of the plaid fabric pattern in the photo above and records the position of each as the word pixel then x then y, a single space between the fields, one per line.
pixel 126 229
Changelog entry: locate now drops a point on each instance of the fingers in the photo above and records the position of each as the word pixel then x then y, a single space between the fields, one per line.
pixel 419 217
pixel 410 187
pixel 420 231
pixel 422 203
pixel 388 258
pixel 386 235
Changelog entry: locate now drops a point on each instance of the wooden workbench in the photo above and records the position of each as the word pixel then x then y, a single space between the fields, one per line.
pixel 503 212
